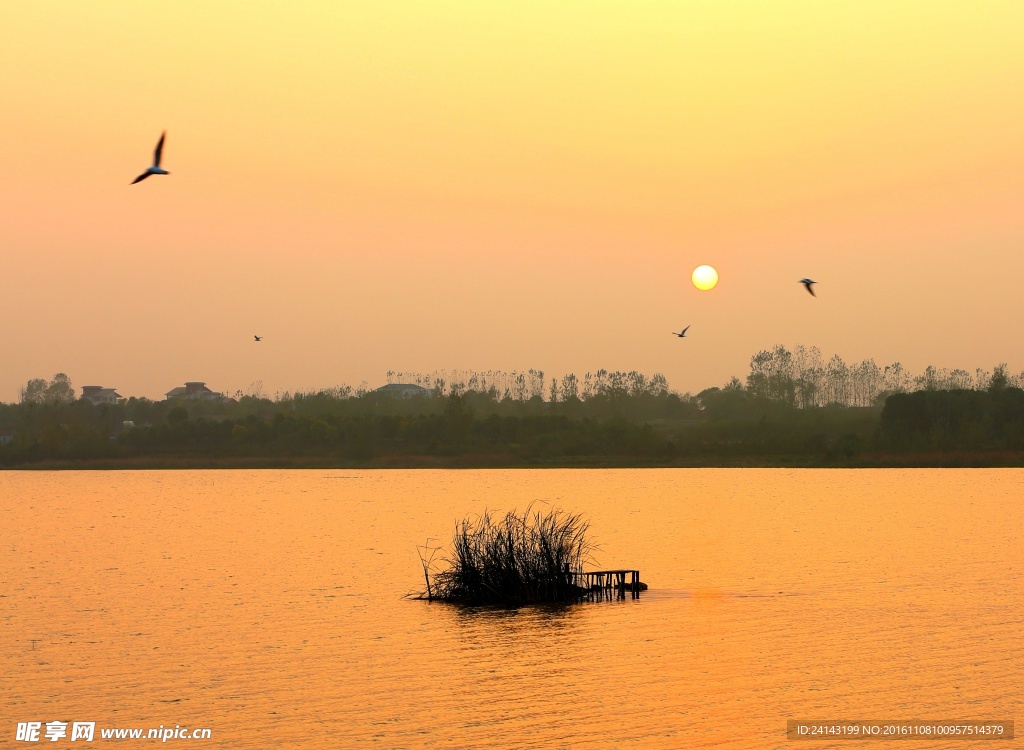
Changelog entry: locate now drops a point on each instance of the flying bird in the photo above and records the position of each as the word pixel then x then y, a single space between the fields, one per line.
pixel 155 169
pixel 682 333
pixel 807 283
pixel 258 338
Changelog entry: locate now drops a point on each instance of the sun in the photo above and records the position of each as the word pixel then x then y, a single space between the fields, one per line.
pixel 704 278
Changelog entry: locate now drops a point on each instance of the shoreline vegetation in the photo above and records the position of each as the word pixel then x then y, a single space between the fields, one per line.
pixel 935 460
pixel 793 410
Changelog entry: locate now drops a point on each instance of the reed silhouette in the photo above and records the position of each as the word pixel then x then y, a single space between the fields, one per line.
pixel 518 559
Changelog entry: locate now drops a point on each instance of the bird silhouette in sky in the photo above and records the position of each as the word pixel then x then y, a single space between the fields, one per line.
pixel 682 333
pixel 807 283
pixel 258 338
pixel 155 169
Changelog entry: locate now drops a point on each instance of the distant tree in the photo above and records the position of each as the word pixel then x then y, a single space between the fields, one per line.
pixel 730 401
pixel 808 365
pixel 837 381
pixel 587 391
pixel 999 380
pixel 927 381
pixel 658 385
pixel 536 388
pixel 894 378
pixel 41 391
pixel 520 387
pixel 959 380
pixel 570 387
pixel 60 390
pixel 616 383
pixel 34 391
pixel 637 383
pixel 867 383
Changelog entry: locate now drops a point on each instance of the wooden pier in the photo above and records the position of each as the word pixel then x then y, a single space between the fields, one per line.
pixel 608 584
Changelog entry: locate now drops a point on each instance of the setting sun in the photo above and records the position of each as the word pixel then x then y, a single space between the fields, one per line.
pixel 704 278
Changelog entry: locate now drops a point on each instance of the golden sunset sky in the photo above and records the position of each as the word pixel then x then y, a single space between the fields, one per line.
pixel 505 185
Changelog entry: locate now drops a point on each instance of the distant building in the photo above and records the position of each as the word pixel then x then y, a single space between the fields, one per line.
pixel 194 390
pixel 404 390
pixel 97 394
pixel 6 436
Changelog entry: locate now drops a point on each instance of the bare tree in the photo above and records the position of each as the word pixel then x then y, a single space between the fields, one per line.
pixel 553 392
pixel 570 387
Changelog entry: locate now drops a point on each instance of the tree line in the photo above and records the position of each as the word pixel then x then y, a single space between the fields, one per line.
pixel 793 406
pixel 803 378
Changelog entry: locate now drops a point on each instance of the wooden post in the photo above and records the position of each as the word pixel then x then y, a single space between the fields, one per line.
pixel 599 583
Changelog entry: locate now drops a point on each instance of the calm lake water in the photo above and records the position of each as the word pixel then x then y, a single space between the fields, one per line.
pixel 268 606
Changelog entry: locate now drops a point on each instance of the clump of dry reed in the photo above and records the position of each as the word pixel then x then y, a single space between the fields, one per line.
pixel 518 559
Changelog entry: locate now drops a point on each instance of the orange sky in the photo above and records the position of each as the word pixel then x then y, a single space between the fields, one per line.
pixel 413 186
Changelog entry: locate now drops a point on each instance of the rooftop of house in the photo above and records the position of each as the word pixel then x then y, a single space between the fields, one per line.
pixel 196 390
pixel 191 386
pixel 401 387
pixel 89 391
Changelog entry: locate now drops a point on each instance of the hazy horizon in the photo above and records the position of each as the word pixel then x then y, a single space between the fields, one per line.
pixel 804 356
pixel 416 187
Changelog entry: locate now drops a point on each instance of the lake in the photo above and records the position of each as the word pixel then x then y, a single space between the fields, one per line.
pixel 269 606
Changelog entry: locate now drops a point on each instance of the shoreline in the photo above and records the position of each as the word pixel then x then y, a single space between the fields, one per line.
pixel 951 460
